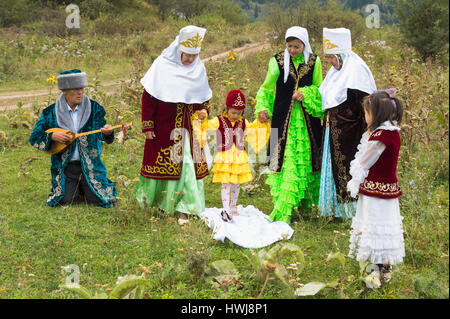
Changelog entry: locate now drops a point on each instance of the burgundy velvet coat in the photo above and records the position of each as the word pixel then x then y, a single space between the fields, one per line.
pixel 347 125
pixel 163 155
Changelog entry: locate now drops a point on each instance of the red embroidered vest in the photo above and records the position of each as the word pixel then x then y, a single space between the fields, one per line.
pixel 229 134
pixel 382 180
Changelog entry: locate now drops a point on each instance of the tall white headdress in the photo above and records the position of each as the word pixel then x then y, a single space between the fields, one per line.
pixel 354 74
pixel 170 81
pixel 336 41
pixel 190 39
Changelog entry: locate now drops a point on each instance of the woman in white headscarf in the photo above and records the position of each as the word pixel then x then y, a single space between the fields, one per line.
pixel 289 98
pixel 347 82
pixel 175 87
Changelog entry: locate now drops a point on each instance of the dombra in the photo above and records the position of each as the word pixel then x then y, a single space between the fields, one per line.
pixel 58 147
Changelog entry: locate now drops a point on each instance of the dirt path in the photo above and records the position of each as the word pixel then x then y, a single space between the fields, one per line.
pixel 9 101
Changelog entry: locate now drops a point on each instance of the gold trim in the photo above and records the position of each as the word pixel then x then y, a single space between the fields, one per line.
pixel 305 68
pixel 165 165
pixel 194 42
pixel 328 45
pixel 148 124
pixel 377 133
pixel 381 188
pixel 338 155
pixel 107 192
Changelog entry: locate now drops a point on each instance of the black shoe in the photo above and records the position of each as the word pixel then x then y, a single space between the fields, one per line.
pixel 386 273
pixel 225 216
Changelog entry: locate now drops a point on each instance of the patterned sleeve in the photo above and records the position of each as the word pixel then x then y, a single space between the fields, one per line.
pixel 266 93
pixel 38 138
pixel 149 107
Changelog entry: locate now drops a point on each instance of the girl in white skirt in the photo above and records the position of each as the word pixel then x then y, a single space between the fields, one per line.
pixel 377 232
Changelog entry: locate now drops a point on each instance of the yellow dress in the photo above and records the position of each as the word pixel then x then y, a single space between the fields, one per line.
pixel 232 166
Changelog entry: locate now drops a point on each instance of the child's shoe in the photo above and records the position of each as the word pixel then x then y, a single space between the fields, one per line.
pixel 225 216
pixel 386 273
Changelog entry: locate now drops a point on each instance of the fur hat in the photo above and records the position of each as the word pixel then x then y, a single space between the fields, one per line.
pixel 73 79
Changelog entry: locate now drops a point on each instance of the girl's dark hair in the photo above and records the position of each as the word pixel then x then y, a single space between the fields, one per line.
pixel 381 107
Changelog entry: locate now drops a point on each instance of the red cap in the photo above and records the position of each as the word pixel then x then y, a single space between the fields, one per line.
pixel 236 100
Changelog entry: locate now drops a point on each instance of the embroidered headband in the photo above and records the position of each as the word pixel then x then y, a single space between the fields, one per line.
pixel 339 60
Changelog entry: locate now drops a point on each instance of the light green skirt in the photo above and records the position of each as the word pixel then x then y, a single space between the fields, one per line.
pixel 185 195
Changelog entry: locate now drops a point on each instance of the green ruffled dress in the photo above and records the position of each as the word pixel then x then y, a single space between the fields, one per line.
pixel 295 185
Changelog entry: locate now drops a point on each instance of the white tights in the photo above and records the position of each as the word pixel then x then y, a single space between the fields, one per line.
pixel 230 190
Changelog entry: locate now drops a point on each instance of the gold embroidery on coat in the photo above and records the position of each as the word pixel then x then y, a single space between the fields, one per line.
pixel 304 69
pixel 148 124
pixel 381 188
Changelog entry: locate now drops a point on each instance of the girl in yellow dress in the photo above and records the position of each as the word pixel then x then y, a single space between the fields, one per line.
pixel 231 166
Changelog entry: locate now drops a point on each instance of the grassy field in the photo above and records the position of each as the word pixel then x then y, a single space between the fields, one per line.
pixel 27 59
pixel 36 241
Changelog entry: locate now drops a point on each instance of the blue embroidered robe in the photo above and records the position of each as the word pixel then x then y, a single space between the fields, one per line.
pixel 89 147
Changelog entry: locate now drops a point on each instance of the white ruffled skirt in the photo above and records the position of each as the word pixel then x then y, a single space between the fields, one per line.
pixel 377 231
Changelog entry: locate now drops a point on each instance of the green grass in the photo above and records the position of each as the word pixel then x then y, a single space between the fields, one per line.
pixel 31 58
pixel 36 240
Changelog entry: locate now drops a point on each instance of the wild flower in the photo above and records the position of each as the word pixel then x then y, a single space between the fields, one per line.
pixel 232 55
pixel 51 79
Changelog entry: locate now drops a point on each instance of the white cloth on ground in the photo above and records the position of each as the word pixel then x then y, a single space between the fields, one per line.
pixel 250 229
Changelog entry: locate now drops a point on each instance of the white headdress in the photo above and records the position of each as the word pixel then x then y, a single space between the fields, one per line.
pixel 336 41
pixel 354 74
pixel 301 34
pixel 169 80
pixel 190 39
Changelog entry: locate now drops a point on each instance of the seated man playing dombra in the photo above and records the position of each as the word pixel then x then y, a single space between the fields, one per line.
pixel 77 169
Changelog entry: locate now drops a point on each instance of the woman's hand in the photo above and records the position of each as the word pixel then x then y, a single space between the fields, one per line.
pixel 298 95
pixel 150 135
pixel 263 116
pixel 106 130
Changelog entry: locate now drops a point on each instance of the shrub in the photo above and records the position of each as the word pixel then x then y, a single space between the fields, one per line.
pixel 311 15
pixel 424 24
pixel 93 8
pixel 16 12
pixel 108 25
